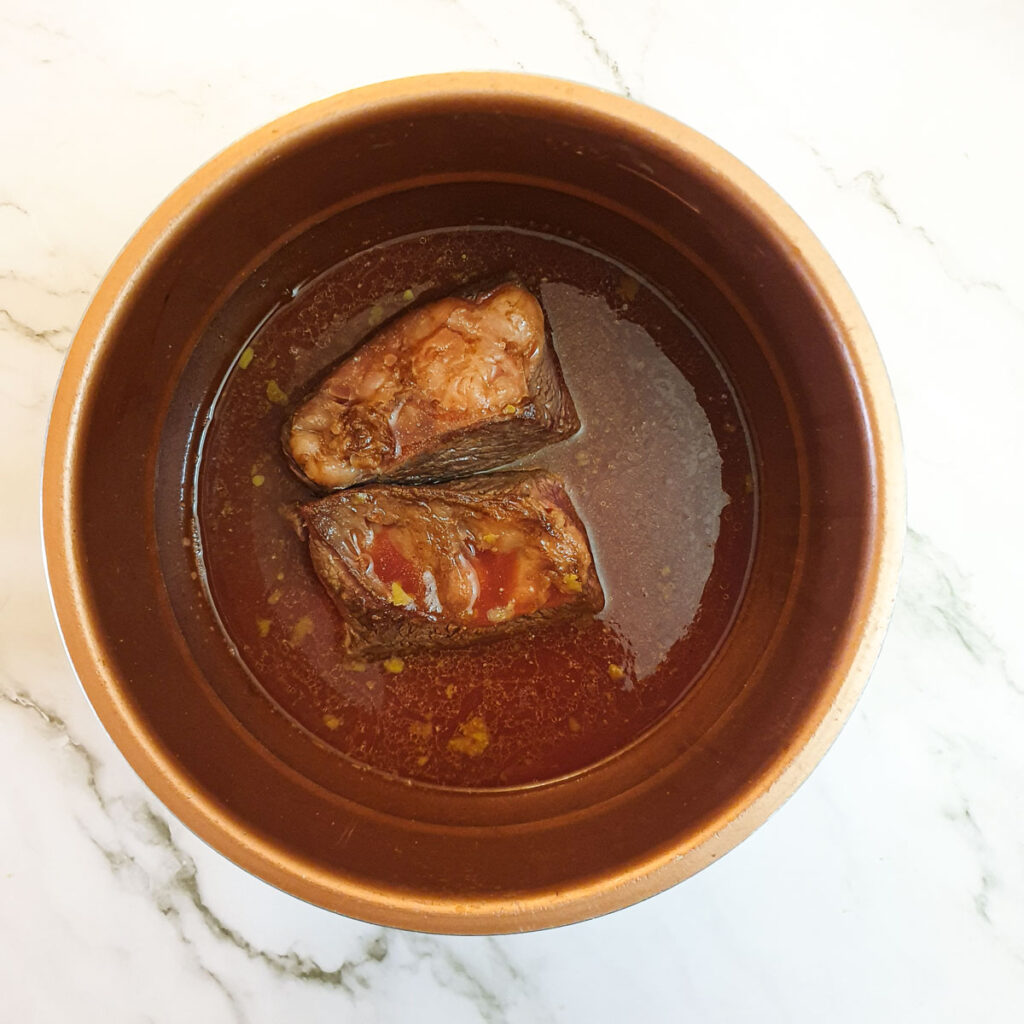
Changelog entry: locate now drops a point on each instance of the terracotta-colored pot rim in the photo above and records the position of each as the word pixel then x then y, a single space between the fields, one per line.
pixel 200 811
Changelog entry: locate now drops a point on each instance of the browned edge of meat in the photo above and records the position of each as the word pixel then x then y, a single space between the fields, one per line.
pixel 449 565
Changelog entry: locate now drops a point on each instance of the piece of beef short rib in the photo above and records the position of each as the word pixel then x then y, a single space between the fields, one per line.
pixel 457 386
pixel 447 565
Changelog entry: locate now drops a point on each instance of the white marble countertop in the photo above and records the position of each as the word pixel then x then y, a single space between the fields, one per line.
pixel 891 887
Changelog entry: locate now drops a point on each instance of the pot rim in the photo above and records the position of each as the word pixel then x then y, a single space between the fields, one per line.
pixel 200 811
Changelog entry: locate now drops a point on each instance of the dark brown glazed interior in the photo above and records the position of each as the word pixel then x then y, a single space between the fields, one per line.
pixel 328 189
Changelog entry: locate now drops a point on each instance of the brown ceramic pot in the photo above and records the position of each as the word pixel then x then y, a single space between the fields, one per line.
pixel 656 196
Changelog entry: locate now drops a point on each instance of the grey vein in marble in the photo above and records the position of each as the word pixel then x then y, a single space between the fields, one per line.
pixel 58 726
pixel 930 593
pixel 942 605
pixel 600 52
pixel 986 882
pixel 47 336
pixel 36 26
pixel 181 891
pixel 154 830
pixel 869 183
pixel 453 972
pixel 33 282
pixel 492 37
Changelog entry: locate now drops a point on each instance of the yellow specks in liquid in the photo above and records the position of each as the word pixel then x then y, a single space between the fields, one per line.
pixel 275 394
pixel 302 628
pixel 472 739
pixel 421 730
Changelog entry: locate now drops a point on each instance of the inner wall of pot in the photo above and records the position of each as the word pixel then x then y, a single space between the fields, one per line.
pixel 679 227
